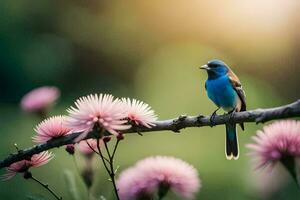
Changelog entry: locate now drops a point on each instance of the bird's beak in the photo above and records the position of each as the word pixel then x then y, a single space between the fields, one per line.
pixel 205 67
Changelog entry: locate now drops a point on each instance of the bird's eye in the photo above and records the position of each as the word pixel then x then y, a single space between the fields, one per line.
pixel 213 65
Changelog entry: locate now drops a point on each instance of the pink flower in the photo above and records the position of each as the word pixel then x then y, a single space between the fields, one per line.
pixel 148 175
pixel 133 184
pixel 101 109
pixel 50 128
pixel 39 99
pixel 22 166
pixel 276 141
pixel 139 112
pixel 85 146
pixel 266 183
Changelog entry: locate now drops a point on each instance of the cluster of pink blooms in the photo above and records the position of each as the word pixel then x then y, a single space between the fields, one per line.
pixel 23 166
pixel 145 178
pixel 40 99
pixel 276 141
pixel 111 114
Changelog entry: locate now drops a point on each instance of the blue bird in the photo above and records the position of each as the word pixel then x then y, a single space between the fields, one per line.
pixel 225 90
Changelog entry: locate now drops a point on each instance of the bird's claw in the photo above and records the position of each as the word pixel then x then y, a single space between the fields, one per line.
pixel 231 117
pixel 212 119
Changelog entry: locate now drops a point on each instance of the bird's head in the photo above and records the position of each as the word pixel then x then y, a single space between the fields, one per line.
pixel 215 68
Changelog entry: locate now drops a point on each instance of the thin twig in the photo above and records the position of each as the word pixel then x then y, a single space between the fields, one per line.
pixel 96 151
pixel 46 187
pixel 102 157
pixel 175 125
pixel 111 163
pixel 91 147
pixel 107 150
pixel 115 148
pixel 110 170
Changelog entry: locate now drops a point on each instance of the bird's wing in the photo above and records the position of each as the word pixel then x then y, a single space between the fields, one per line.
pixel 236 84
pixel 238 88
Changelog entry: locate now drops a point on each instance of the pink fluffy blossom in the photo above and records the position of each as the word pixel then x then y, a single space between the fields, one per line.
pixel 139 112
pixel 39 99
pixel 104 110
pixel 50 128
pixel 145 178
pixel 22 166
pixel 85 146
pixel 276 141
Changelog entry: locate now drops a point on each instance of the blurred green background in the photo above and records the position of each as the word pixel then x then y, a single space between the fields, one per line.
pixel 149 50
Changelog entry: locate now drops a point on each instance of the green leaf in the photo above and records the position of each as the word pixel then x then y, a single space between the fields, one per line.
pixel 35 197
pixel 102 198
pixel 71 184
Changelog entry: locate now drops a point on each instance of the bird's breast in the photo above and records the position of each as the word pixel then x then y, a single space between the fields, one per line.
pixel 222 93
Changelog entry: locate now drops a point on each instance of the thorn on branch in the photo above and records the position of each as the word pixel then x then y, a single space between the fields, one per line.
pixel 16 146
pixel 177 123
pixel 19 151
pixel 136 129
pixel 139 133
pixel 199 119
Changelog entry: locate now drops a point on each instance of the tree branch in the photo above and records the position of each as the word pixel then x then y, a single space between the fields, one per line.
pixel 175 125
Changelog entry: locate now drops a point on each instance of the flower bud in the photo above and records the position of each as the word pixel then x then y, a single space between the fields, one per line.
pixel 70 148
pixel 120 136
pixel 27 175
pixel 106 139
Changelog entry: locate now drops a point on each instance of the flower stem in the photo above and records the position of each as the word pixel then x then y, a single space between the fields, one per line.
pixel 104 160
pixel 163 190
pixel 46 187
pixel 290 164
pixel 96 151
pixel 110 169
pixel 115 148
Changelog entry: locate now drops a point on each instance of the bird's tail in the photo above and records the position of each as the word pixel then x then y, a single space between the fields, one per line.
pixel 232 145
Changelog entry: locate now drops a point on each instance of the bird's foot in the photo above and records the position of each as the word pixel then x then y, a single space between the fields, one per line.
pixel 212 118
pixel 231 116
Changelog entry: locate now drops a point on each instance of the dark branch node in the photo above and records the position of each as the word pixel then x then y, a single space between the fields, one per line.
pixel 178 123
